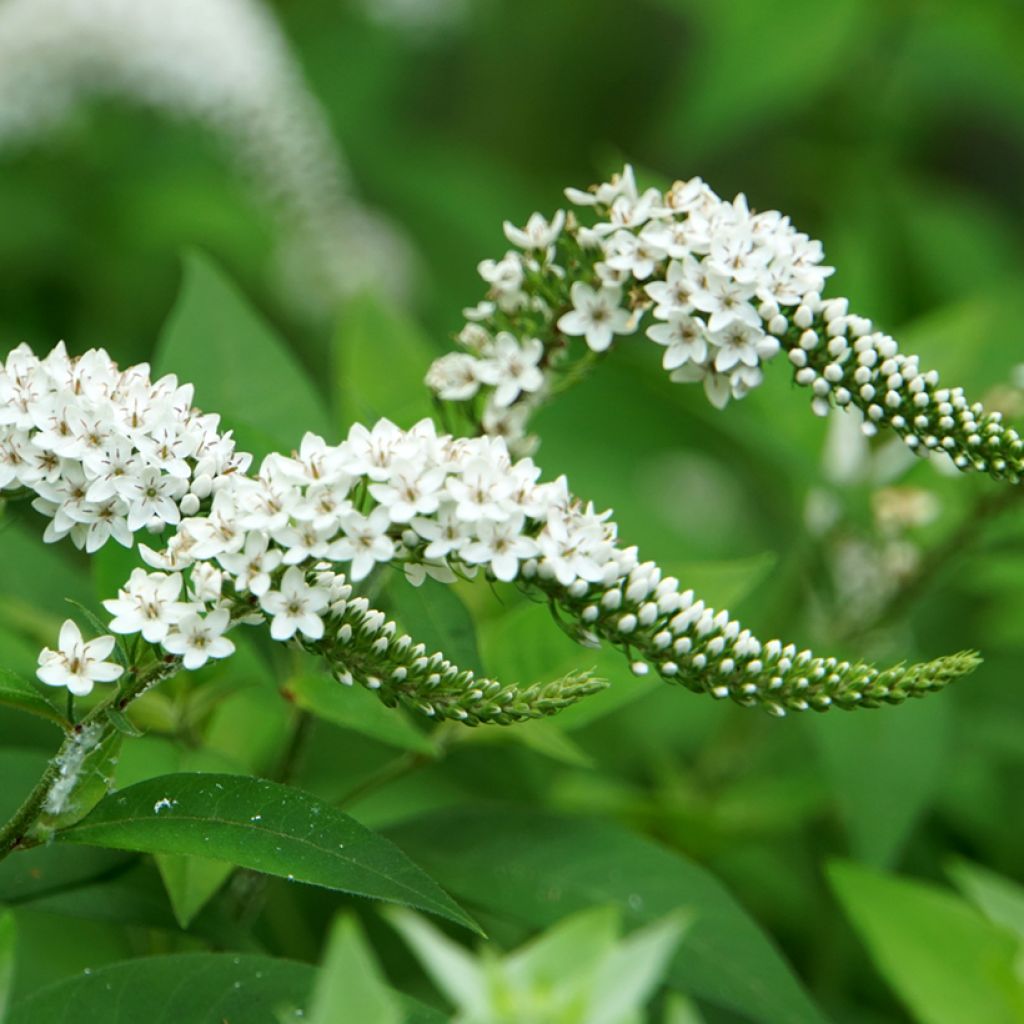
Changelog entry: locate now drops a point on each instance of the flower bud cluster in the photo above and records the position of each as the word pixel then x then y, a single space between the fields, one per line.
pixel 659 626
pixel 845 362
pixel 362 645
pixel 713 275
pixel 106 452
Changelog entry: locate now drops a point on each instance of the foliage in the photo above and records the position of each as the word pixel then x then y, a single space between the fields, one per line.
pixel 637 799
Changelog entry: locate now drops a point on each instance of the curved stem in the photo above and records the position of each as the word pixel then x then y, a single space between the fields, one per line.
pixel 16 834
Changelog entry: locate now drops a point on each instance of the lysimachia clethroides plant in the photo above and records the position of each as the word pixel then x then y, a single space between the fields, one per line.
pixel 294 545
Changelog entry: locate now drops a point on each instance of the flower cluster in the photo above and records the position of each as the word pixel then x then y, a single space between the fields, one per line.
pixel 106 452
pixel 272 546
pixel 709 278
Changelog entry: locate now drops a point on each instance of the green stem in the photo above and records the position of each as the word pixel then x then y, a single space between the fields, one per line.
pixel 16 834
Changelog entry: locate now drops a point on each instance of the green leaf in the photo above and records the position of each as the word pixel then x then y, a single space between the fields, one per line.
pixel 943 958
pixel 633 971
pixel 186 988
pixel 999 898
pixel 884 770
pixel 263 826
pixel 540 735
pixel 534 868
pixel 8 939
pixel 524 644
pixel 19 693
pixel 349 985
pixel 452 969
pixel 240 368
pixel 723 584
pixel 200 988
pixel 380 360
pixel 353 707
pixel 433 614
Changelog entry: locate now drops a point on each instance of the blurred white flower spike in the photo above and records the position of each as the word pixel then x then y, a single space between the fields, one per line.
pixel 226 65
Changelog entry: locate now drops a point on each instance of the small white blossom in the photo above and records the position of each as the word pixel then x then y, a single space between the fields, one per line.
pixel 295 607
pixel 196 639
pixel 597 315
pixel 78 664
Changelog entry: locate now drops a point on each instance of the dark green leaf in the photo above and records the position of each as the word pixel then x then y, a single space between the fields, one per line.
pixel 353 707
pixel 380 360
pixel 537 868
pixel 16 692
pixel 8 939
pixel 433 614
pixel 239 367
pixel 263 826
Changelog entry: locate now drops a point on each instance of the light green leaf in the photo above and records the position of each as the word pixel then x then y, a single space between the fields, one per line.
pixel 999 898
pixel 633 971
pixel 570 951
pixel 433 614
pixel 453 970
pixel 723 584
pixel 535 868
pixel 263 826
pixel 680 1010
pixel 240 368
pixel 540 735
pixel 8 939
pixel 349 984
pixel 884 771
pixel 19 693
pixel 380 360
pixel 943 958
pixel 525 644
pixel 353 707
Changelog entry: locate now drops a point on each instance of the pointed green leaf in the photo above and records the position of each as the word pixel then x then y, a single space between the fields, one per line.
pixel 433 614
pixel 380 360
pixel 263 826
pixel 452 969
pixel 349 985
pixel 534 868
pixel 884 771
pixel 943 958
pixel 999 898
pixel 19 693
pixel 631 974
pixel 353 707
pixel 240 368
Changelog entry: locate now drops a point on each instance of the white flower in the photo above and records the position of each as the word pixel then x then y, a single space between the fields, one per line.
pixel 673 294
pixel 78 664
pixel 251 567
pixel 684 337
pixel 727 300
pixel 198 638
pixel 411 490
pixel 454 377
pixel 634 254
pixel 366 542
pixel 740 344
pixel 538 233
pixel 596 316
pixel 717 386
pixel 501 546
pixel 512 367
pixel 294 607
pixel 148 605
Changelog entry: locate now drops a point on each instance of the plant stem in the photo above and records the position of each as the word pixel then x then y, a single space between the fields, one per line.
pixel 16 834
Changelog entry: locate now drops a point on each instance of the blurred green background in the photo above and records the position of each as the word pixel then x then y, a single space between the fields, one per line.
pixel 892 131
